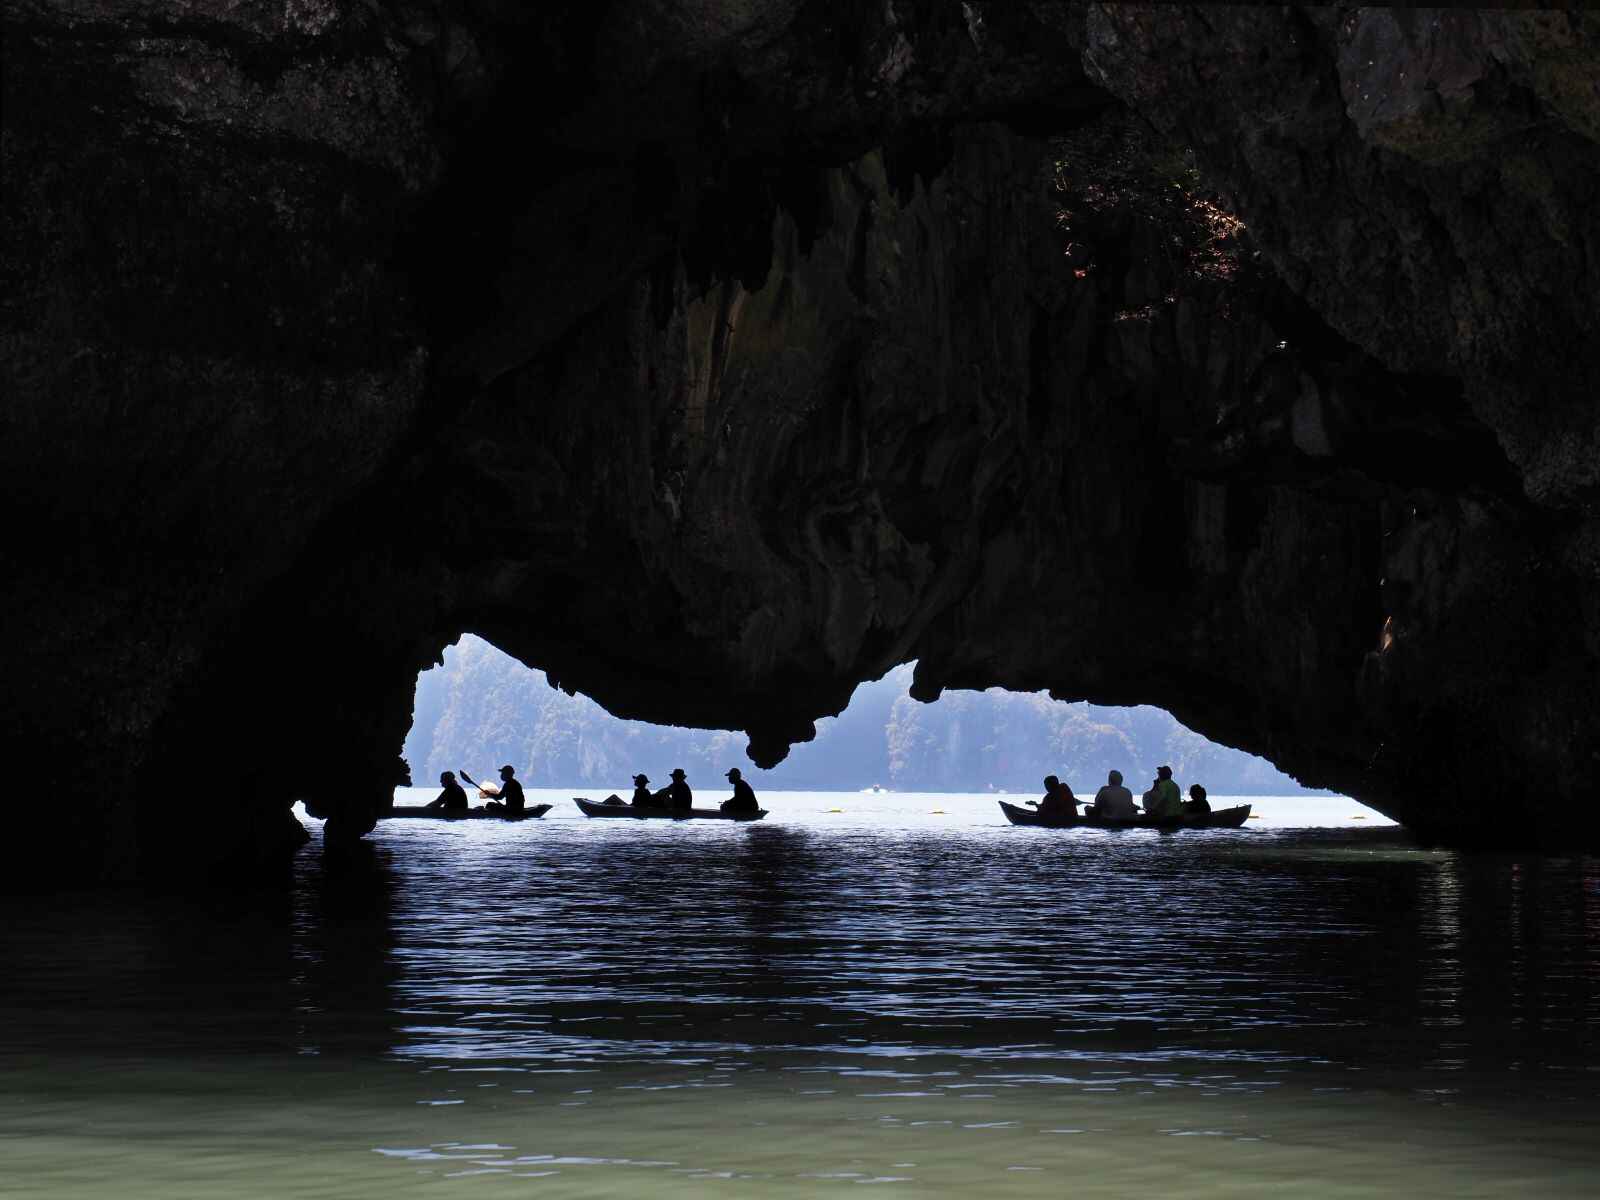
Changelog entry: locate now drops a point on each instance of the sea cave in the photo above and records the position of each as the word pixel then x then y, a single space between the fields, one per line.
pixel 715 358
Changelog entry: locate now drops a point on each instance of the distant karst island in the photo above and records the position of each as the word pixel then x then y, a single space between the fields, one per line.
pixel 483 705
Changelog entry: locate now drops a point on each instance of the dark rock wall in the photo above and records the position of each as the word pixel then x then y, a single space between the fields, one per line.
pixel 207 350
pixel 715 357
pixel 1426 178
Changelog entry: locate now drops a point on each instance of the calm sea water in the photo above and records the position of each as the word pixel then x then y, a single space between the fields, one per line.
pixel 905 994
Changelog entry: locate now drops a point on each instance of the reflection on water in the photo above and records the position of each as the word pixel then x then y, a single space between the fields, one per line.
pixel 934 1002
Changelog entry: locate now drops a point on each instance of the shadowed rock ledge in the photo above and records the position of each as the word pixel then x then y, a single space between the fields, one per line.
pixel 717 357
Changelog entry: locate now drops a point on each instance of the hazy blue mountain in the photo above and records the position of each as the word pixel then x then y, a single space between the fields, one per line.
pixel 482 708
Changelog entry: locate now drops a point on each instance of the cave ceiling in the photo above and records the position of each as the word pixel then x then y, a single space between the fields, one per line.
pixel 717 356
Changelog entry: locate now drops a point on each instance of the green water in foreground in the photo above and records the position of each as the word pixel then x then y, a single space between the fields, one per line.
pixel 906 995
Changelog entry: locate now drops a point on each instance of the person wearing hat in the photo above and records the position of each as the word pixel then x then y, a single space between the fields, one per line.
pixel 1163 802
pixel 743 799
pixel 454 796
pixel 676 794
pixel 510 795
pixel 641 795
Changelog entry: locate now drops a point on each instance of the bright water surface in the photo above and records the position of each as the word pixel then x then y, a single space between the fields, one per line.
pixel 926 1003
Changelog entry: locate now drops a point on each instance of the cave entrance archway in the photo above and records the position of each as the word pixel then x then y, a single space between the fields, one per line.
pixel 481 707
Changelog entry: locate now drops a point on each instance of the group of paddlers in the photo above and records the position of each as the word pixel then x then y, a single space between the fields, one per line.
pixel 677 796
pixel 1163 802
pixel 508 800
pixel 1113 802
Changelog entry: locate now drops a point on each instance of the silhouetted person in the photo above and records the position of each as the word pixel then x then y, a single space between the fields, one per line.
pixel 743 799
pixel 676 794
pixel 1114 802
pixel 641 794
pixel 1059 804
pixel 1163 802
pixel 454 796
pixel 510 793
pixel 1197 805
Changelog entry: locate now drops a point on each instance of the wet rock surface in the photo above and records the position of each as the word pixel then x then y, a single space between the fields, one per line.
pixel 715 357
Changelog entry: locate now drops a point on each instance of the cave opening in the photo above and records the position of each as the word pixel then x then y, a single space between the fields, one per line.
pixel 481 707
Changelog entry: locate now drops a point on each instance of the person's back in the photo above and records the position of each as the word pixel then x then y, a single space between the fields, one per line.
pixel 1059 803
pixel 676 794
pixel 743 799
pixel 1114 802
pixel 1163 802
pixel 511 792
pixel 453 797
pixel 511 796
pixel 508 798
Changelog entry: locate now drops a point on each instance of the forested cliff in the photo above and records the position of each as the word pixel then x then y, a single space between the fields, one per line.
pixel 482 708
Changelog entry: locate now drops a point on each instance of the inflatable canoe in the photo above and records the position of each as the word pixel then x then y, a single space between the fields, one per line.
pixel 1222 818
pixel 590 809
pixel 417 812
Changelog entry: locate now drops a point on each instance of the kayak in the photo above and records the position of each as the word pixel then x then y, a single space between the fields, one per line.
pixel 417 812
pixel 591 809
pixel 1222 818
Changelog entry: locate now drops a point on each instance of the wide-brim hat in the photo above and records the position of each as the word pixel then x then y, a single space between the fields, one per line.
pixel 677 772
pixel 641 779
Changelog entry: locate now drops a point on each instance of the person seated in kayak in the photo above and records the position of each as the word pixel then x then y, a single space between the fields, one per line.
pixel 1163 802
pixel 510 799
pixel 676 794
pixel 1197 804
pixel 641 795
pixel 1113 802
pixel 454 796
pixel 743 799
pixel 1059 804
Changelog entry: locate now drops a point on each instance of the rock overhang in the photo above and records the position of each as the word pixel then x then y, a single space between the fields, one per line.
pixel 719 367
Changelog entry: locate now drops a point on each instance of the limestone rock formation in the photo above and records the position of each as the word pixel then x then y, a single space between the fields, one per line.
pixel 716 356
